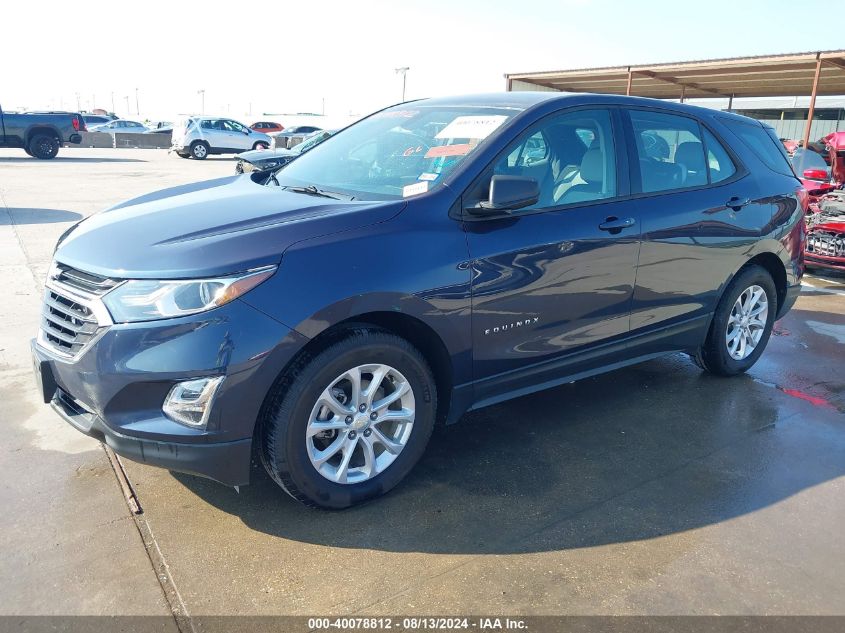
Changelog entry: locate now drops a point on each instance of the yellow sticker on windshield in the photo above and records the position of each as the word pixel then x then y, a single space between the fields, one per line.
pixel 472 126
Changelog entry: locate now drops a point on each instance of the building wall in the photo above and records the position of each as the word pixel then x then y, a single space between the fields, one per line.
pixel 794 128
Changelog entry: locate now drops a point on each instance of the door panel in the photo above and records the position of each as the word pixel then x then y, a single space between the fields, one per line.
pixel 567 285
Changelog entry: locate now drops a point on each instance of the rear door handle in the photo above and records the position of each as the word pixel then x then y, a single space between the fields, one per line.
pixel 736 203
pixel 614 224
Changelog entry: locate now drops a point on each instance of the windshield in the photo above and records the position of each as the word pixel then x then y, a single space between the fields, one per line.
pixel 315 139
pixel 397 153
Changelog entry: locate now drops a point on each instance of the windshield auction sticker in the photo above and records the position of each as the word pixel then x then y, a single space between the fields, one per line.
pixel 415 189
pixel 472 126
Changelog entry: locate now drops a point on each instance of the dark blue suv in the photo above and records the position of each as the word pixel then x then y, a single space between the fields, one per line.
pixel 436 257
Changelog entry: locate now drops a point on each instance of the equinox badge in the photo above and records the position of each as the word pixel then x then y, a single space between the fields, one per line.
pixel 510 326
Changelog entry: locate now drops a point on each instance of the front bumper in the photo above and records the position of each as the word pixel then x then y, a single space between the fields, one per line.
pixel 226 462
pixel 824 261
pixel 115 389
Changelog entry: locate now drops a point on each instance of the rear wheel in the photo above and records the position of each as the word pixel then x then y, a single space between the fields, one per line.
pixel 199 150
pixel 43 146
pixel 348 424
pixel 260 145
pixel 741 325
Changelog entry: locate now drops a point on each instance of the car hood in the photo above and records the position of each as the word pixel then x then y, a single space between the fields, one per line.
pixel 208 228
pixel 265 154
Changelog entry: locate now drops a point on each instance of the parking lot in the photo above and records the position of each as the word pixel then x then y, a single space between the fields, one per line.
pixel 650 490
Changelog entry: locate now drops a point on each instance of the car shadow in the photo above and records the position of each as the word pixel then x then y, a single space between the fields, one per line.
pixel 635 454
pixel 21 216
pixel 69 159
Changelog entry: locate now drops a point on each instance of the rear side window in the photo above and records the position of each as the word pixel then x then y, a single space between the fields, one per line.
pixel 718 162
pixel 670 151
pixel 767 147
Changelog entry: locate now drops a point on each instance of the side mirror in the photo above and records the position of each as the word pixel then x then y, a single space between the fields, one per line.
pixel 815 174
pixel 508 193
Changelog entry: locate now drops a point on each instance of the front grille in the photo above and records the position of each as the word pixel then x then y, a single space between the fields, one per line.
pixel 86 282
pixel 827 244
pixel 68 322
pixel 66 325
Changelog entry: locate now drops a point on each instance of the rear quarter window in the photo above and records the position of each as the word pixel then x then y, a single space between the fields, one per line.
pixel 764 144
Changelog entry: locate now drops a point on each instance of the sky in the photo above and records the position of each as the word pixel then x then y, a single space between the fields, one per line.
pixel 340 56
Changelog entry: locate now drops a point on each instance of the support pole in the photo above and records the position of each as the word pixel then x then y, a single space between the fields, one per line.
pixel 630 81
pixel 683 93
pixel 812 109
pixel 730 103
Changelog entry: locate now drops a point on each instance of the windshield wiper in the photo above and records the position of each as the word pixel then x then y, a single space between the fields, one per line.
pixel 311 190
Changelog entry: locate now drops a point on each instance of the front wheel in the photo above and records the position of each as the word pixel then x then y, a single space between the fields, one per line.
pixel 349 423
pixel 741 325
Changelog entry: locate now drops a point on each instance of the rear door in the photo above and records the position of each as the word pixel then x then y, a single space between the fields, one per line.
pixel 684 180
pixel 213 131
pixel 556 277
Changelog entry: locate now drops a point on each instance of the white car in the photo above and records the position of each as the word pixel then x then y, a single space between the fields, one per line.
pixel 120 125
pixel 198 137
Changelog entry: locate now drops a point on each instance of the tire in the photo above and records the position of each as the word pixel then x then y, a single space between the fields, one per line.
pixel 43 146
pixel 199 150
pixel 724 357
pixel 288 452
pixel 260 145
pixel 28 153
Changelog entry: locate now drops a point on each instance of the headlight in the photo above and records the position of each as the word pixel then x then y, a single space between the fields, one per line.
pixel 149 299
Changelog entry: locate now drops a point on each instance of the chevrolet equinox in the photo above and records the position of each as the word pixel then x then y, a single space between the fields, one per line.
pixel 436 257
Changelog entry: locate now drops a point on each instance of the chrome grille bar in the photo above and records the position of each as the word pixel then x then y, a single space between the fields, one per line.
pixel 72 315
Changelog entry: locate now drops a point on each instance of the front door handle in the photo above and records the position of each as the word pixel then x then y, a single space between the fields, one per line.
pixel 615 225
pixel 736 203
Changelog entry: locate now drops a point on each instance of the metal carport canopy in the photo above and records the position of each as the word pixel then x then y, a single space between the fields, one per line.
pixel 763 76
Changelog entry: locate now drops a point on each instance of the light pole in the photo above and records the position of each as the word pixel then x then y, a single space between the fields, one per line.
pixel 137 109
pixel 403 71
pixel 128 111
pixel 78 107
pixel 202 92
pixel 112 102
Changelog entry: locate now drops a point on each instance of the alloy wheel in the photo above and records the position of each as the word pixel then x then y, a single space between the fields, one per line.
pixel 360 423
pixel 747 322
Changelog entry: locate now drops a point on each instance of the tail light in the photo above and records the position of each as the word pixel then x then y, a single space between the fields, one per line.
pixel 79 124
pixel 803 198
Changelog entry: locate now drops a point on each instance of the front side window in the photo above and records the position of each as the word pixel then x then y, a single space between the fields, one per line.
pixel 571 156
pixel 397 153
pixel 670 151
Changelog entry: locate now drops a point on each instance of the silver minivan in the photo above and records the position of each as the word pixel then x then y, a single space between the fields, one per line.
pixel 198 137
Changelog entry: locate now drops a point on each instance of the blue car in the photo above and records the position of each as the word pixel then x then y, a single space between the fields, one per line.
pixel 438 256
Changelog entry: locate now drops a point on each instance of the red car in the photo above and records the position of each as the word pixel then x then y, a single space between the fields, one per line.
pixel 268 127
pixel 826 225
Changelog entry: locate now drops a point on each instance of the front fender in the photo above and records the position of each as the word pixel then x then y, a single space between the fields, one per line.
pixel 393 267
